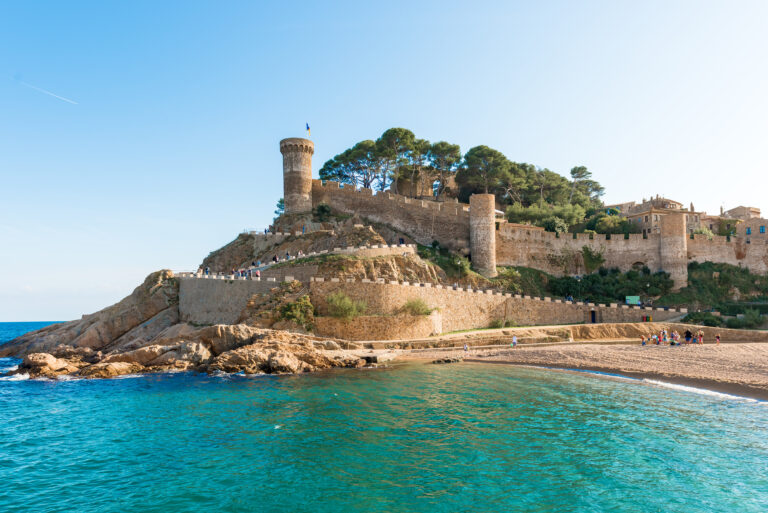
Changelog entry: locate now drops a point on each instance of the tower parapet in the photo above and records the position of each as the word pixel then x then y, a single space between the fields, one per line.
pixel 482 233
pixel 297 174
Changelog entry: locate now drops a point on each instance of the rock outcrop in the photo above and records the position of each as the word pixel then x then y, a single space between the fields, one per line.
pixel 151 308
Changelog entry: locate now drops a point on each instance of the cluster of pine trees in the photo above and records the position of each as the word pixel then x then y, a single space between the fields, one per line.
pixel 528 193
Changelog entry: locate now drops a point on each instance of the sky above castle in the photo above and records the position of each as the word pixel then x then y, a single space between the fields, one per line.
pixel 142 135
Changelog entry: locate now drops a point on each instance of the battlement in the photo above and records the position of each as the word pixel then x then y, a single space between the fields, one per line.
pixel 449 207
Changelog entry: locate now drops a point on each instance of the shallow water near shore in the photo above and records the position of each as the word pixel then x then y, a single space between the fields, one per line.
pixel 407 438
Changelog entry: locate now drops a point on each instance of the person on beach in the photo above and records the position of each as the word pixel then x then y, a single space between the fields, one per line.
pixel 717 338
pixel 688 336
pixel 258 274
pixel 642 340
pixel 514 341
pixel 701 337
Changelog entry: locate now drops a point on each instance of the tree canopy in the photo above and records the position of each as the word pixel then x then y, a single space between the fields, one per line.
pixel 530 194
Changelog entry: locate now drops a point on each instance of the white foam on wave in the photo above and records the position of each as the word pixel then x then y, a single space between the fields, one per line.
pixel 15 377
pixel 67 377
pixel 128 376
pixel 701 391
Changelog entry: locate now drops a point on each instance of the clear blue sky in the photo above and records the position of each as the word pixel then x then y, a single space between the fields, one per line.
pixel 171 145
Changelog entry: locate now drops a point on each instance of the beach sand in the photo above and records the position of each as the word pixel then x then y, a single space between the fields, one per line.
pixel 739 369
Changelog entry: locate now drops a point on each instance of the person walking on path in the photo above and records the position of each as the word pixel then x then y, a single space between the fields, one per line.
pixel 514 341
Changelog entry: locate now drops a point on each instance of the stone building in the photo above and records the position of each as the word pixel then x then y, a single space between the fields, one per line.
pixel 666 242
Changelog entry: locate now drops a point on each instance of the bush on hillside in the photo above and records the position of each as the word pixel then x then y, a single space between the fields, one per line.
pixel 416 307
pixel 342 306
pixel 703 318
pixel 611 285
pixel 300 311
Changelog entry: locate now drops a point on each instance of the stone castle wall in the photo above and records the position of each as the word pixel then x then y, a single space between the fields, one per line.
pixel 563 255
pixel 734 251
pixel 424 220
pixel 452 225
pixel 462 309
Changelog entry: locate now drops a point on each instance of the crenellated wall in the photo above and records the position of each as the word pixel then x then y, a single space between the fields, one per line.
pixel 668 249
pixel 736 251
pixel 462 309
pixel 530 246
pixel 424 220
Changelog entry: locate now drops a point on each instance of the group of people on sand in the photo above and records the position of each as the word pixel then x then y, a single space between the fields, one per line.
pixel 673 338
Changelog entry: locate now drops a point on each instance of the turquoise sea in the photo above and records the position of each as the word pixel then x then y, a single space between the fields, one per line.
pixel 461 437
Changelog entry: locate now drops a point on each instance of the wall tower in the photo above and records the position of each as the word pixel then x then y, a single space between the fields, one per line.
pixel 297 174
pixel 482 233
pixel 673 247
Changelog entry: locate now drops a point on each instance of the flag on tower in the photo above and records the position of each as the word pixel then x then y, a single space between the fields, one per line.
pixel 308 132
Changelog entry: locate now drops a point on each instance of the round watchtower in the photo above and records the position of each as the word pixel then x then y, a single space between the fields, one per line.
pixel 297 174
pixel 673 247
pixel 482 233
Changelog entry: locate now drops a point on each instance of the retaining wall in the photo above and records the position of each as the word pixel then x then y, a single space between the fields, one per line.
pixel 378 327
pixel 463 309
pixel 217 301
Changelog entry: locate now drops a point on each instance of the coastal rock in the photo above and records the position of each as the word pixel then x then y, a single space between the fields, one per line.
pixel 281 362
pixel 279 358
pixel 45 365
pixel 448 360
pixel 110 369
pixel 156 299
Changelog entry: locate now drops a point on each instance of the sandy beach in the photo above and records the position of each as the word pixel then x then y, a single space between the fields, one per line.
pixel 739 369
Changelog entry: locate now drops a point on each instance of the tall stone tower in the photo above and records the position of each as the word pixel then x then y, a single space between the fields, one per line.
pixel 297 174
pixel 673 247
pixel 482 233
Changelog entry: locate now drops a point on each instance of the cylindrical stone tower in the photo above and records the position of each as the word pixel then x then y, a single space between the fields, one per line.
pixel 297 174
pixel 482 233
pixel 673 247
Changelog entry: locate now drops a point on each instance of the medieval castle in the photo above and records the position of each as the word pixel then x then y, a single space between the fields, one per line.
pixel 667 242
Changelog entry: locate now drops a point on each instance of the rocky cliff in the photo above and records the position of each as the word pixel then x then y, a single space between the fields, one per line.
pixel 142 333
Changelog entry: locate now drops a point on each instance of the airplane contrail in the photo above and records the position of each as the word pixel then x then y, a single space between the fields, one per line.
pixel 48 93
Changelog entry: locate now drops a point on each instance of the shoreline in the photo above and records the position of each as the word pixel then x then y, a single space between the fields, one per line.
pixel 732 389
pixel 739 369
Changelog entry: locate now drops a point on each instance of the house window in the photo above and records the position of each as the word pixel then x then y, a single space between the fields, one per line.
pixel 762 229
pixel 646 219
pixel 710 226
pixel 749 230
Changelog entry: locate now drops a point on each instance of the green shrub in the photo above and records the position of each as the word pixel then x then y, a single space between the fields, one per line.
pixel 703 318
pixel 416 307
pixel 496 324
pixel 592 259
pixel 301 311
pixel 322 212
pixel 340 305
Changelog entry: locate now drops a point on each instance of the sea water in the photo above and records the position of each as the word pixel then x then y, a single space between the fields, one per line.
pixel 459 437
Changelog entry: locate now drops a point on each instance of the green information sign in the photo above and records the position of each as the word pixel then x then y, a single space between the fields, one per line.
pixel 633 300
